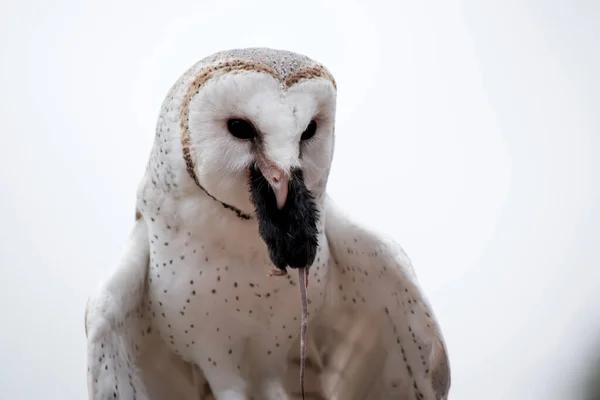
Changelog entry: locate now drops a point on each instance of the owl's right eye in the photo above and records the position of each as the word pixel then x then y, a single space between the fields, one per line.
pixel 241 129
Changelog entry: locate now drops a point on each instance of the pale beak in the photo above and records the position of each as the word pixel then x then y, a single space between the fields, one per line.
pixel 278 180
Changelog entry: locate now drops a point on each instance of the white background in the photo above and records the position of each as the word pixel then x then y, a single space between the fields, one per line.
pixel 470 132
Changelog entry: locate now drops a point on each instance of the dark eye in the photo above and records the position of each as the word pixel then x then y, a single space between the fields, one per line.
pixel 310 130
pixel 241 128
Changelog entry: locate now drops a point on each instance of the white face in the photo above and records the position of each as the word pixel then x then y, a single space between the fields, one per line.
pixel 279 117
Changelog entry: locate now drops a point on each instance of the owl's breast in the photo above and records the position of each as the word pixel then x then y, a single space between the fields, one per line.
pixel 199 294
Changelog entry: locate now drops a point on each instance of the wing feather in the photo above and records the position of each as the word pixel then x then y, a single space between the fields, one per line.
pixel 376 278
pixel 126 358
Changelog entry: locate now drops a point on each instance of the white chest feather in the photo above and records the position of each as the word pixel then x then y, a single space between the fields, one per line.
pixel 212 301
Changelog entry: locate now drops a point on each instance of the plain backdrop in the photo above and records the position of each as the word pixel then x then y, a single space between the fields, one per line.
pixel 469 131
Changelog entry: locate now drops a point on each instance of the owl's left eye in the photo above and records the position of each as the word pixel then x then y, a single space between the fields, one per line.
pixel 310 130
pixel 241 128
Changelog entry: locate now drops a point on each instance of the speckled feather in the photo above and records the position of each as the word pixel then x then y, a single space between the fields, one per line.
pixel 126 357
pixel 373 274
pixel 198 265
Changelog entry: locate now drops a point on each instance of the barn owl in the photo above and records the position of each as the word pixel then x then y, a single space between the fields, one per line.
pixel 235 186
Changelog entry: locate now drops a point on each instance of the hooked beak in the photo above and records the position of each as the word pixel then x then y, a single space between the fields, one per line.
pixel 278 180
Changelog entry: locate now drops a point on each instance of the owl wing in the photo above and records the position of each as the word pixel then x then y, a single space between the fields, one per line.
pixel 126 358
pixel 384 307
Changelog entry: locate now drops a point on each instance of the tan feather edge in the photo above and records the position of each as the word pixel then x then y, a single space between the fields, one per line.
pixel 441 378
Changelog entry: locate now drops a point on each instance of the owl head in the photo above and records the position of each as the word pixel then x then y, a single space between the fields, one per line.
pixel 256 133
